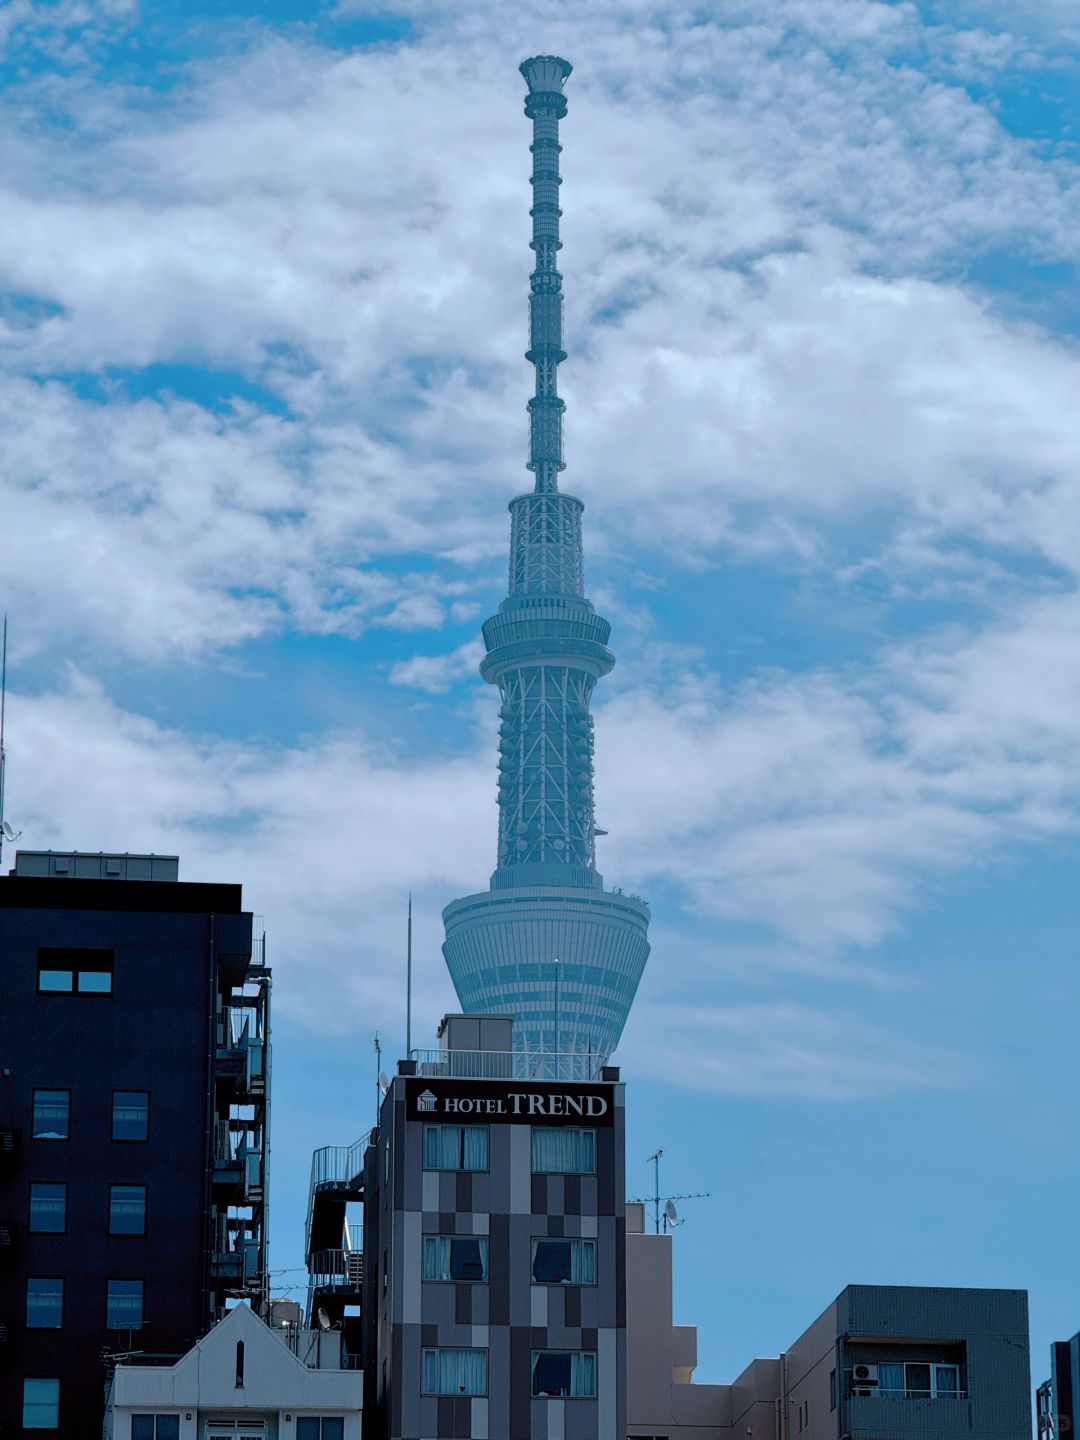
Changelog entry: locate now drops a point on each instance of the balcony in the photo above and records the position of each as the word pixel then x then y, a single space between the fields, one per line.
pixel 338 1271
pixel 337 1179
pixel 896 1413
pixel 507 1065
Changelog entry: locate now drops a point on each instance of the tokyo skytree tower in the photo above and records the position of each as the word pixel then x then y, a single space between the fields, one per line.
pixel 547 942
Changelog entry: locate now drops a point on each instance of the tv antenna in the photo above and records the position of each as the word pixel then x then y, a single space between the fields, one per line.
pixel 667 1216
pixel 379 1078
pixel 408 985
pixel 6 832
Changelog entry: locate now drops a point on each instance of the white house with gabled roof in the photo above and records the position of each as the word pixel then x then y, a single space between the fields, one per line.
pixel 242 1381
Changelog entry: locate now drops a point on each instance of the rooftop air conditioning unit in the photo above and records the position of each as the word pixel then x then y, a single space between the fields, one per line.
pixel 864 1379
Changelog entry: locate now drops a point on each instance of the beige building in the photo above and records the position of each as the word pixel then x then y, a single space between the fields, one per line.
pixel 882 1362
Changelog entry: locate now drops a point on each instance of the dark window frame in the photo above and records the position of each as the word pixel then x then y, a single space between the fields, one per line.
pixel 305 1422
pixel 155 1429
pixel 51 1379
pixel 129 1139
pixel 129 1185
pixel 49 1090
pixel 53 1279
pixel 126 1280
pixel 30 1227
pixel 571 1240
pixel 483 1247
pixel 66 960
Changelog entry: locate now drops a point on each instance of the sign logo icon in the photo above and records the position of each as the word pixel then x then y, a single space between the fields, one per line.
pixel 426 1102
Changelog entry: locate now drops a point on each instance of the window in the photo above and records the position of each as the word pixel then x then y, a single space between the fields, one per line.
pixel 455 1372
pixel 455 1147
pixel 124 1305
pixel 563 1152
pixel 88 972
pixel 130 1114
pixel 127 1209
pixel 48 1209
pixel 920 1381
pixel 456 1257
pixel 320 1427
pixel 564 1262
pixel 44 1304
pixel 52 1113
pixel 41 1404
pixel 564 1372
pixel 155 1427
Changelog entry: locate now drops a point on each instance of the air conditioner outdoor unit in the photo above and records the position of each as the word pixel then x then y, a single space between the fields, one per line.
pixel 864 1379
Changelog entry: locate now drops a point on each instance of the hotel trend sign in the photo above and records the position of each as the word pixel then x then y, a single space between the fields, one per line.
pixel 516 1102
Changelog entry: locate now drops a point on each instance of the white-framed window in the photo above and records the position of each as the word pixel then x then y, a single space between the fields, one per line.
pixel 456 1257
pixel 569 1373
pixel 925 1380
pixel 558 1150
pixel 563 1261
pixel 41 1404
pixel 456 1147
pixel 455 1372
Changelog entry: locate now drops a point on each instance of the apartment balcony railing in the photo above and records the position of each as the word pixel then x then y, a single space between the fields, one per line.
pixel 333 1268
pixel 508 1064
pixel 883 1393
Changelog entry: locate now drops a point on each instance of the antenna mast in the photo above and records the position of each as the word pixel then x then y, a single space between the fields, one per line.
pixel 408 986
pixel 3 755
pixel 670 1220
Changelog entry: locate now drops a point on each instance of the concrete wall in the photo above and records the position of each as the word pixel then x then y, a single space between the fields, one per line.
pixel 660 1400
pixel 202 1387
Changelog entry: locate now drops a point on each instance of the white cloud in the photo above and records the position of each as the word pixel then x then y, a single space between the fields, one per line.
pixel 436 673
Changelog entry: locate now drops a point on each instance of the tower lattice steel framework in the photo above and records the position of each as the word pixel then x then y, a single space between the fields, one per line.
pixel 547 942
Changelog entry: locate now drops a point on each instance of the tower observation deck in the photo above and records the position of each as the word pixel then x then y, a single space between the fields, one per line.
pixel 547 943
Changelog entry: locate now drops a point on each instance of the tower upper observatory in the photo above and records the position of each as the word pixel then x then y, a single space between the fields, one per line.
pixel 547 942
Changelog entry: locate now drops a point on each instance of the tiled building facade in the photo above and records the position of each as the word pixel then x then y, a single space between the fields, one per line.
pixel 494 1247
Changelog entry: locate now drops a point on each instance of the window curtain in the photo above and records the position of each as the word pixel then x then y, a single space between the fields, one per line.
pixel 583 1373
pixel 436 1257
pixel 946 1380
pixel 455 1372
pixel 583 1263
pixel 475 1148
pixel 891 1379
pixel 456 1147
pixel 565 1152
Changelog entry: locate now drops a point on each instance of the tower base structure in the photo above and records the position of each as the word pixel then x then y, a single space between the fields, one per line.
pixel 564 960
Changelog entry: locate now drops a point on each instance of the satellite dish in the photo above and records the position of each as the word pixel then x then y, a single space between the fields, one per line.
pixel 9 833
pixel 323 1319
pixel 384 1083
pixel 671 1215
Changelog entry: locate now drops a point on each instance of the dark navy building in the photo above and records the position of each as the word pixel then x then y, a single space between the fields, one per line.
pixel 133 1095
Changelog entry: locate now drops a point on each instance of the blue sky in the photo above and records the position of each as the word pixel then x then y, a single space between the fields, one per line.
pixel 263 277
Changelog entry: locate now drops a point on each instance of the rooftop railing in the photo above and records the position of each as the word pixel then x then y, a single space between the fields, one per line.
pixel 507 1064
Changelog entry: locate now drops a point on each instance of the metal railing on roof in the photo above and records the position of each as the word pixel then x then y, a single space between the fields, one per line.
pixel 508 1064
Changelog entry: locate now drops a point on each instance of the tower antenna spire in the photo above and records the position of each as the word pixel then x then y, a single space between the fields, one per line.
pixel 545 106
pixel 545 649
